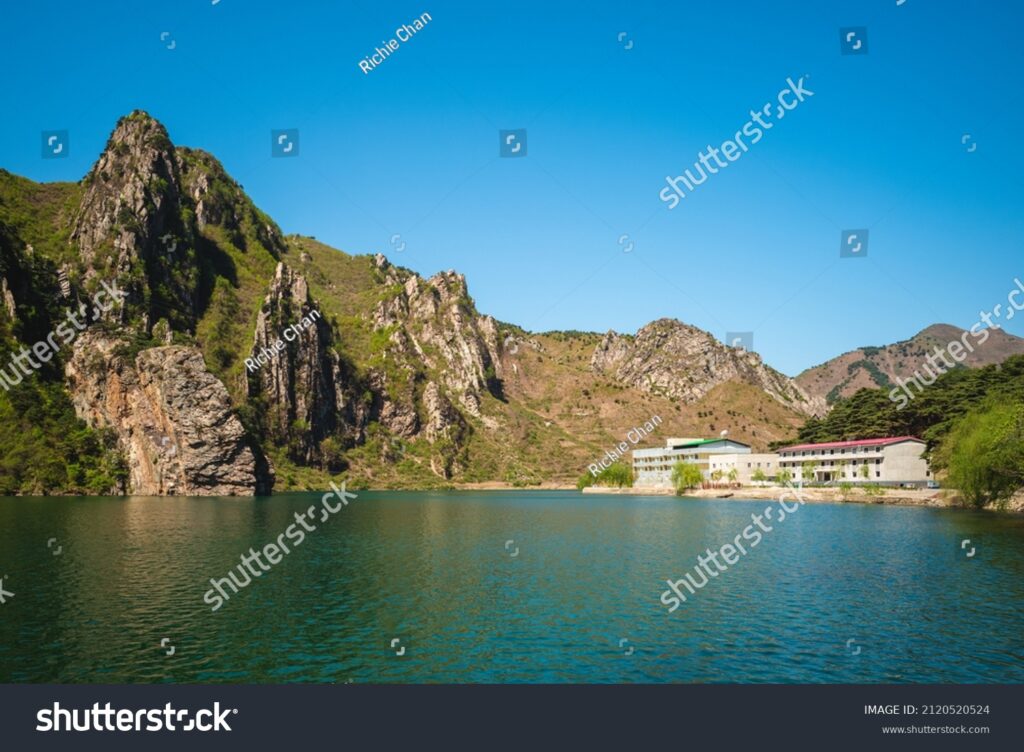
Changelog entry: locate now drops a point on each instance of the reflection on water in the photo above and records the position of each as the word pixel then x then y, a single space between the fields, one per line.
pixel 838 593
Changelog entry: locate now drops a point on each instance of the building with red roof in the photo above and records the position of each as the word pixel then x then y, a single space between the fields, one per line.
pixel 893 461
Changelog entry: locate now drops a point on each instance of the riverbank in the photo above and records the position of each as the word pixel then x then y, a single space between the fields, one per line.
pixel 915 497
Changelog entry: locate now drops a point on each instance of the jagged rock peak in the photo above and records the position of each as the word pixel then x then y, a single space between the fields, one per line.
pixel 130 227
pixel 680 361
pixel 435 322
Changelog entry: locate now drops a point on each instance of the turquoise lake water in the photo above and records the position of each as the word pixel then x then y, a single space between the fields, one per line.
pixel 506 587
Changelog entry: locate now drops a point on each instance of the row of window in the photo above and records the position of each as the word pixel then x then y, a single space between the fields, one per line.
pixel 828 463
pixel 812 452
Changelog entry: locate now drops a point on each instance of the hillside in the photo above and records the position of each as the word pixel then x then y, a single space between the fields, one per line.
pixel 242 360
pixel 879 367
pixel 930 415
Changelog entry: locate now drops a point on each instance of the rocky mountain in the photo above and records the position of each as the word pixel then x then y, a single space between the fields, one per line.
pixel 873 367
pixel 683 362
pixel 239 359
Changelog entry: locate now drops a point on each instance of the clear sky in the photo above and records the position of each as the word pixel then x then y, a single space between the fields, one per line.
pixel 411 148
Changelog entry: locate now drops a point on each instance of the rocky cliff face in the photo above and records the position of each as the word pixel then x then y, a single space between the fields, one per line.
pixel 173 419
pixel 439 347
pixel 672 359
pixel 311 394
pixel 138 227
pixel 435 319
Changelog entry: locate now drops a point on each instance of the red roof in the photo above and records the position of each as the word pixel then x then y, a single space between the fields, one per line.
pixel 848 444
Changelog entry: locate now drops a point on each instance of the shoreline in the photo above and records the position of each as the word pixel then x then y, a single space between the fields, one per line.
pixel 933 498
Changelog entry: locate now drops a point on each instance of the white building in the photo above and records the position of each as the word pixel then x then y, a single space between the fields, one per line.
pixel 895 461
pixel 652 468
pixel 745 465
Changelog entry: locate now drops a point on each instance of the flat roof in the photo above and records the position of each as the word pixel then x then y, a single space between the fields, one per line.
pixel 848 444
pixel 702 442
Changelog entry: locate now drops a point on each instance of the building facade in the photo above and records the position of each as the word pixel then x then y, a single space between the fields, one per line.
pixel 745 465
pixel 652 468
pixel 891 462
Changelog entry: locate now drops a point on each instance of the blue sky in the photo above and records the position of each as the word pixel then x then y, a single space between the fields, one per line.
pixel 412 148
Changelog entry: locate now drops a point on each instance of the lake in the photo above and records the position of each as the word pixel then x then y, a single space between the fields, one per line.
pixel 517 586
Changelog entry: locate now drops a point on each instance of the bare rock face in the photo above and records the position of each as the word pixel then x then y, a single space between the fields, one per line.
pixel 435 319
pixel 395 402
pixel 311 394
pixel 683 362
pixel 173 419
pixel 130 228
pixel 445 428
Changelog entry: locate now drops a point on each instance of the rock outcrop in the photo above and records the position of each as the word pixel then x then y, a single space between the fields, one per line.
pixel 682 362
pixel 173 419
pixel 434 322
pixel 131 230
pixel 310 392
pixel 140 220
pixel 439 347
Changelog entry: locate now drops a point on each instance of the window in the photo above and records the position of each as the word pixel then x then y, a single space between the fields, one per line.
pixel 878 473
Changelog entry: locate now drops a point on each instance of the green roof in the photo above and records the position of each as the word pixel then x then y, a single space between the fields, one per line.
pixel 701 442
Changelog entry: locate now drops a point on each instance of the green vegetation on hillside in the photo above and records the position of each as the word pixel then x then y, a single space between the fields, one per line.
pixel 972 420
pixel 45 449
pixel 930 415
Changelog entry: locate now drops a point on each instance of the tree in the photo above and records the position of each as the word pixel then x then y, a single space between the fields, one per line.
pixel 784 477
pixel 733 475
pixel 617 474
pixel 865 470
pixel 686 475
pixel 984 453
pixel 717 475
pixel 807 471
pixel 758 476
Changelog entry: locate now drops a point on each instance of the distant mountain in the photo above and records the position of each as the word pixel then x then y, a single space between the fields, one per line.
pixel 873 367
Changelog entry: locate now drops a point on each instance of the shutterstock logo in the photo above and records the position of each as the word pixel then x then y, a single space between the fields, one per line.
pixel 789 98
pixel 124 719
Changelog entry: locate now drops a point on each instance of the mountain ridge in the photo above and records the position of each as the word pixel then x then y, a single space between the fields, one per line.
pixel 401 381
